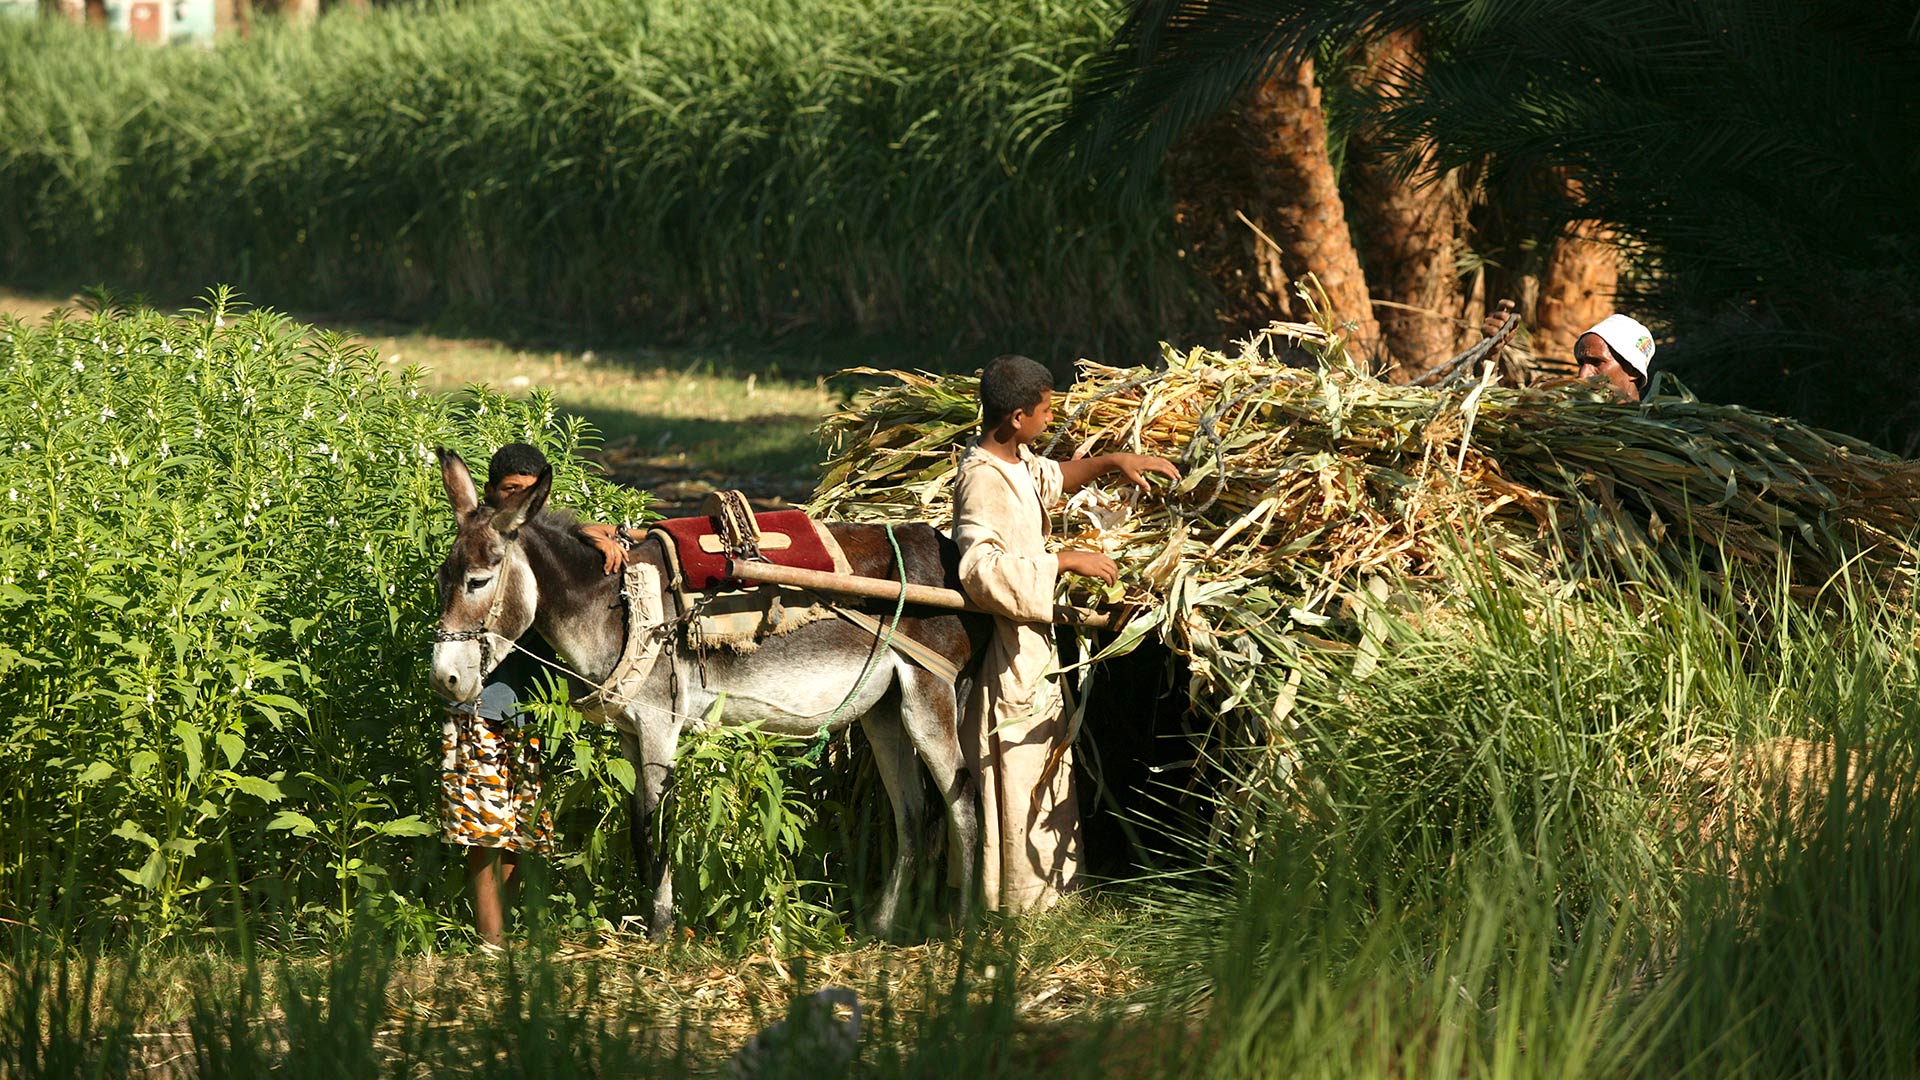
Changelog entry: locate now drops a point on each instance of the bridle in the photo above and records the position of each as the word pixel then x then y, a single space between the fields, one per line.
pixel 484 632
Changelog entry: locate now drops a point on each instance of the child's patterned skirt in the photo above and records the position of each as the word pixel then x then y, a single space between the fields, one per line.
pixel 490 785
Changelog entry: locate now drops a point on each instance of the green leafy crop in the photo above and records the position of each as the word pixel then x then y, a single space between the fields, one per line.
pixel 217 538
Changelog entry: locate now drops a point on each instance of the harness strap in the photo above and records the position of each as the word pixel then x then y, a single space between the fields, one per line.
pixel 813 756
pixel 920 654
pixel 640 591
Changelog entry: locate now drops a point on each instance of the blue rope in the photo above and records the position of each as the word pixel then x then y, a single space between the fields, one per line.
pixel 825 734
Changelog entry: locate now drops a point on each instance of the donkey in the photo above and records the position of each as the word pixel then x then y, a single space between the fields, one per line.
pixel 519 568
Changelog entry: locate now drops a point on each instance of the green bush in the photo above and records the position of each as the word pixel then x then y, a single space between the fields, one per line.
pixel 851 165
pixel 741 827
pixel 217 538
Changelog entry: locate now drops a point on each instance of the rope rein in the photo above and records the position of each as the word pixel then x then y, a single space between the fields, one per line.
pixel 824 736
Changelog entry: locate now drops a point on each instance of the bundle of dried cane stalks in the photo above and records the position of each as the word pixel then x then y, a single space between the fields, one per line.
pixel 1306 486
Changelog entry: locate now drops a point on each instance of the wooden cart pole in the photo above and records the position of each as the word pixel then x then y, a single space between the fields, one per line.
pixel 882 589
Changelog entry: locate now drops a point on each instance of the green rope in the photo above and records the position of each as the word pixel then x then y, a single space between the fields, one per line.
pixel 814 754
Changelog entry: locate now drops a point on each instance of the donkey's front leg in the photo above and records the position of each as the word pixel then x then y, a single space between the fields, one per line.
pixel 651 752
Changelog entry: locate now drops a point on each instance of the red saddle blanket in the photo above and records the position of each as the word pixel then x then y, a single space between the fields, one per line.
pixel 706 571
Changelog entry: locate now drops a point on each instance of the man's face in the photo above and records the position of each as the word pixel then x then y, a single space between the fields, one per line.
pixel 508 486
pixel 1028 424
pixel 1597 361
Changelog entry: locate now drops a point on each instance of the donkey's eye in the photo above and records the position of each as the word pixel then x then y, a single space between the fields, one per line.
pixel 475 584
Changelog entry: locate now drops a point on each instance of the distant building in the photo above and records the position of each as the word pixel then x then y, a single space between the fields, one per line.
pixel 162 22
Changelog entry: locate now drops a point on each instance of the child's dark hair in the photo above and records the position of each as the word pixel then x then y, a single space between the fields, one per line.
pixel 515 459
pixel 1010 383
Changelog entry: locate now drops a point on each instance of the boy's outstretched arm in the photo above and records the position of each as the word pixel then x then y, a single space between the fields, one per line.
pixel 1079 472
pixel 605 538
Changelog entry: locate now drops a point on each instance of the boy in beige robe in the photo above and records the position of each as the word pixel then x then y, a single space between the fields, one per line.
pixel 1015 726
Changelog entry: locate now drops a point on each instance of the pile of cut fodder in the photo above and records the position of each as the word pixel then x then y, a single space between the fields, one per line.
pixel 1311 491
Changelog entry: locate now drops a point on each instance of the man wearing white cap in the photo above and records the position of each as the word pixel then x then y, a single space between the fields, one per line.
pixel 1619 349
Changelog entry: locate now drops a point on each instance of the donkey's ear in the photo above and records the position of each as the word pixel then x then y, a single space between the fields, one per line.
pixel 524 506
pixel 459 482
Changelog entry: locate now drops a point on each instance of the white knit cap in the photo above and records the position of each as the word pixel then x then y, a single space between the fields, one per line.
pixel 1629 340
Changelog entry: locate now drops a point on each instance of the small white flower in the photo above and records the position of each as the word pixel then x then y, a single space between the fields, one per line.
pixel 78 366
pixel 13 495
pixel 40 574
pixel 225 603
pixel 107 413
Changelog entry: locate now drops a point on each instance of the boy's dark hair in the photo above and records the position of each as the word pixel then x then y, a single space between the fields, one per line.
pixel 1009 383
pixel 515 459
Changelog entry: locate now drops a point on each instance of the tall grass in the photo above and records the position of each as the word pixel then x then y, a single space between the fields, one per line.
pixel 850 165
pixel 1526 844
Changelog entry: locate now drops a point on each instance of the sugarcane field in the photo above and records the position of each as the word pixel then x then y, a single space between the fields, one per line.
pixel 815 538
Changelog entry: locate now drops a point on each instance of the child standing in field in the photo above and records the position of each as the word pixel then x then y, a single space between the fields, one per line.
pixel 490 762
pixel 1015 728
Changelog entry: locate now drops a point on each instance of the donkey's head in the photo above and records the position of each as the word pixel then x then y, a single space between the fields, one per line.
pixel 488 595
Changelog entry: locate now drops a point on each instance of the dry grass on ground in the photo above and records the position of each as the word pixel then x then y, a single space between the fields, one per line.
pixel 685 994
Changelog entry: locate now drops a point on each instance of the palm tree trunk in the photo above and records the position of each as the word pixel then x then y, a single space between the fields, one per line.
pixel 1576 291
pixel 1269 162
pixel 1408 228
pixel 300 12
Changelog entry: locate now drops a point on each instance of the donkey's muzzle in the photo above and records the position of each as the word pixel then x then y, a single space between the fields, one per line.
pixel 460 666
